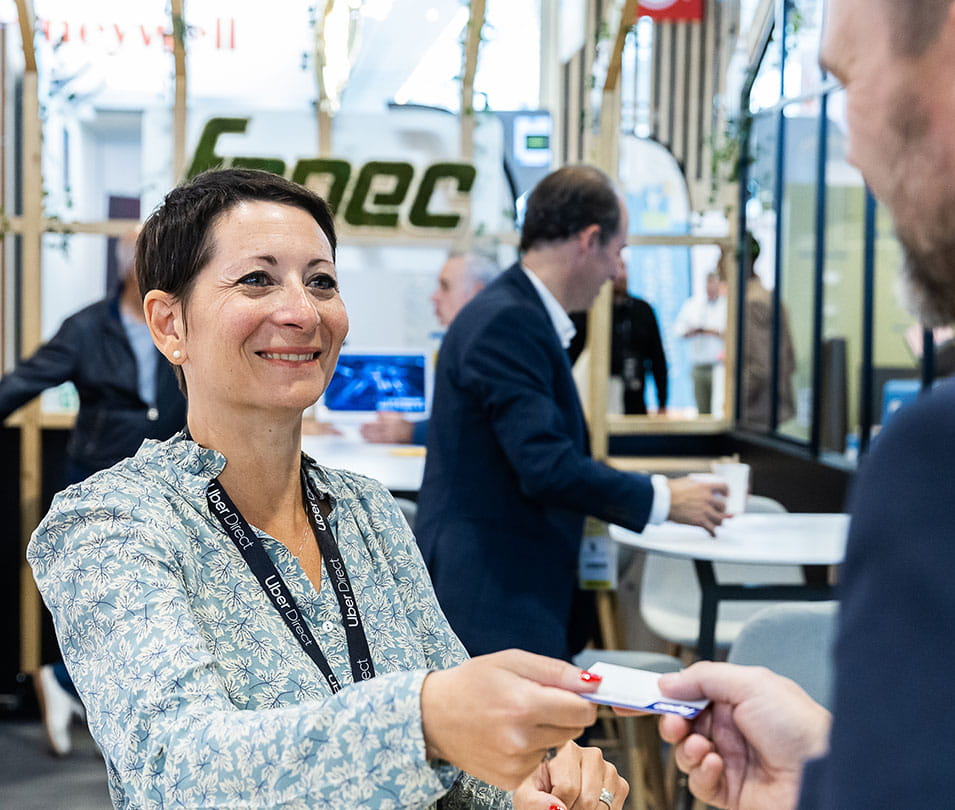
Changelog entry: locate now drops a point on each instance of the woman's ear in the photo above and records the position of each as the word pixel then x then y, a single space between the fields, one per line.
pixel 164 318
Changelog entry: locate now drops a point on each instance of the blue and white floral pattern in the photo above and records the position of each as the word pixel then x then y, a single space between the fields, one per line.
pixel 196 691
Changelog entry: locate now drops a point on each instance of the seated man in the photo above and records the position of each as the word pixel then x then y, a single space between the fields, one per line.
pixel 462 277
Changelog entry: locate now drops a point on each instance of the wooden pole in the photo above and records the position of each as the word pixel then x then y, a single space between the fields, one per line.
pixel 606 156
pixel 179 106
pixel 323 108
pixel 31 472
pixel 471 47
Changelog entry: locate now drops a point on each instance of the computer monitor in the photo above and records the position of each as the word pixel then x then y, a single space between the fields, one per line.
pixel 371 380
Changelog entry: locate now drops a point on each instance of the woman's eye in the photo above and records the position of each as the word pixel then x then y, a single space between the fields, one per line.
pixel 256 279
pixel 323 281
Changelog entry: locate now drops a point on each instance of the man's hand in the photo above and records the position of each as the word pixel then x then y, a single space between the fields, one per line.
pixel 698 503
pixel 746 751
pixel 312 427
pixel 388 428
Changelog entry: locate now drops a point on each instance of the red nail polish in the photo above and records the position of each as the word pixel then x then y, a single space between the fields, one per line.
pixel 555 807
pixel 590 677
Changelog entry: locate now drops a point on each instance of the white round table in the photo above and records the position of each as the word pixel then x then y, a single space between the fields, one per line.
pixel 400 467
pixel 772 539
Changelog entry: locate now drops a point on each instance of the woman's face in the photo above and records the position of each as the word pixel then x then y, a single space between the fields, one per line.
pixel 264 322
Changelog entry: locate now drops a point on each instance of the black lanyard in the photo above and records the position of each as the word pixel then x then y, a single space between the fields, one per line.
pixel 274 586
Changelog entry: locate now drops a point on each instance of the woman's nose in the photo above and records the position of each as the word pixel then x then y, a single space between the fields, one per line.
pixel 298 307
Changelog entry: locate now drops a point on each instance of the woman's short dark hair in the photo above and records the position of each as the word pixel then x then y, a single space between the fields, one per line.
pixel 567 201
pixel 176 240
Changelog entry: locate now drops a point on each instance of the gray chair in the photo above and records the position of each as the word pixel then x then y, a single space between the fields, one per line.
pixel 409 509
pixel 793 639
pixel 670 591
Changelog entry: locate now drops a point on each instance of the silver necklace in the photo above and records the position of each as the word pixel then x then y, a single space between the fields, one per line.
pixel 301 545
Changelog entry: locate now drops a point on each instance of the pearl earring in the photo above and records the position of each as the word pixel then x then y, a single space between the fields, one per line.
pixel 176 354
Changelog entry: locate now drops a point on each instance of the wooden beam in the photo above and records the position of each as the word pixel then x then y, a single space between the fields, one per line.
pixel 679 240
pixel 604 154
pixel 26 19
pixel 179 106
pixel 674 465
pixel 55 421
pixel 472 45
pixel 663 102
pixel 31 473
pixel 680 83
pixel 113 227
pixel 598 345
pixel 627 18
pixel 696 128
pixel 632 425
pixel 552 97
pixel 323 106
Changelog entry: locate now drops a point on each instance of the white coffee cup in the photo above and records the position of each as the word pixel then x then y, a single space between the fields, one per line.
pixel 736 476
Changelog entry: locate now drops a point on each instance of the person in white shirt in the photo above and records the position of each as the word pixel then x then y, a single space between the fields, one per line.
pixel 702 321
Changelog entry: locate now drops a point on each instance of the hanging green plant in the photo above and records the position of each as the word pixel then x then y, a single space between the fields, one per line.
pixel 726 152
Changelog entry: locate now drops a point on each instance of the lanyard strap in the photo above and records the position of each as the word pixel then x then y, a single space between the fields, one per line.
pixel 258 560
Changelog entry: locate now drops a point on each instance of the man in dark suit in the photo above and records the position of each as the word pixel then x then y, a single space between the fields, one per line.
pixel 509 479
pixel 891 744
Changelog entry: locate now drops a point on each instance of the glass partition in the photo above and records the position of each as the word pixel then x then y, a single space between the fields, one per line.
pixel 793 322
pixel 843 290
pixel 857 352
pixel 897 336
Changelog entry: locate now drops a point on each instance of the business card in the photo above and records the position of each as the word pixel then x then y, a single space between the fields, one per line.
pixel 637 689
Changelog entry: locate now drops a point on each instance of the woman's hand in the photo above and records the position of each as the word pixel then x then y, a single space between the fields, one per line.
pixel 573 780
pixel 496 716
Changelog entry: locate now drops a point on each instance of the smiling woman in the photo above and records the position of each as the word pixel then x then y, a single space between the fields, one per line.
pixel 263 321
pixel 249 628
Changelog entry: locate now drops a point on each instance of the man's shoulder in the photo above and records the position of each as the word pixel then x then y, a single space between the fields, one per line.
pixel 91 316
pixel 510 296
pixel 931 414
pixel 919 440
pixel 98 309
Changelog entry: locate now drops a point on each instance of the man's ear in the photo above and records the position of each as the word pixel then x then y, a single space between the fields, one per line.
pixel 589 237
pixel 164 319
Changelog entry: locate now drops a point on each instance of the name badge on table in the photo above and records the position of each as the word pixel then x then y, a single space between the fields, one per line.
pixel 597 566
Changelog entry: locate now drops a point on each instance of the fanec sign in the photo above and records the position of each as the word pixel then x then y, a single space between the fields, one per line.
pixel 367 204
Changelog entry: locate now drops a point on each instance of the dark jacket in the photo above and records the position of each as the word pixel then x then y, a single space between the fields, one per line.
pixel 892 743
pixel 635 345
pixel 91 351
pixel 508 478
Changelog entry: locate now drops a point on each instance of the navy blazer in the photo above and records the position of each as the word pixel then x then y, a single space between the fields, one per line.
pixel 508 478
pixel 892 742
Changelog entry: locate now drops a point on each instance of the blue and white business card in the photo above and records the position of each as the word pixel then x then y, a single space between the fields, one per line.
pixel 637 689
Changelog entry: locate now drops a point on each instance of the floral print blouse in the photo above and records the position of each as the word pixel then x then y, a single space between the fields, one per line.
pixel 196 691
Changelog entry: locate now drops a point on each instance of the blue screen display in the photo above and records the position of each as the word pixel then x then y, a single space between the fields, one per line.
pixel 378 382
